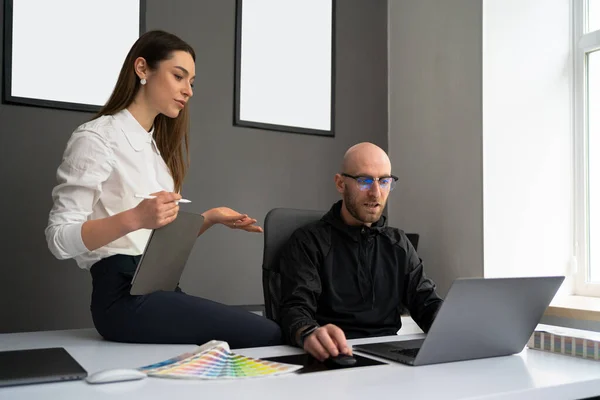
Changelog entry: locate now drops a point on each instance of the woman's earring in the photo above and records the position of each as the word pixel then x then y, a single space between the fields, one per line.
pixel 143 81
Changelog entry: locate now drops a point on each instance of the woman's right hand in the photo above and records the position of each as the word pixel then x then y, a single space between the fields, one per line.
pixel 157 212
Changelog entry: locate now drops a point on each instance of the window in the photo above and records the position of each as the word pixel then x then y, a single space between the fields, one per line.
pixel 63 53
pixel 285 65
pixel 587 146
pixel 527 100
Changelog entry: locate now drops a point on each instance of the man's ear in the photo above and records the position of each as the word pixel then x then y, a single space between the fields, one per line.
pixel 340 185
pixel 141 67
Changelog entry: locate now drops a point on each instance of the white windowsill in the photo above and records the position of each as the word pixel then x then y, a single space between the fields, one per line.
pixel 575 307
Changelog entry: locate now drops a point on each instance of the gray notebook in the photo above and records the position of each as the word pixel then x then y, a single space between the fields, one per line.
pixel 166 254
pixel 23 367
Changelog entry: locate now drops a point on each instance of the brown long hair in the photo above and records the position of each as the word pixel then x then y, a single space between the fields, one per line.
pixel 171 134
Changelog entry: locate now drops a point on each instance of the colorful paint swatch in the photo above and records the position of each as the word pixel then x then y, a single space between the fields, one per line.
pixel 214 360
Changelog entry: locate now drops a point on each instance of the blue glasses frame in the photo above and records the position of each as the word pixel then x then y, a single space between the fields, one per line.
pixel 366 182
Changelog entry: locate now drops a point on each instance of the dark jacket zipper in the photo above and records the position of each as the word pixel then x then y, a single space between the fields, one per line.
pixel 363 245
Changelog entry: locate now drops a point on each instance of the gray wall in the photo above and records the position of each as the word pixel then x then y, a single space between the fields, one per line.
pixel 249 170
pixel 435 137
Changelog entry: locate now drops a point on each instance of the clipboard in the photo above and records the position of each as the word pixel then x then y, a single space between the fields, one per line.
pixel 166 254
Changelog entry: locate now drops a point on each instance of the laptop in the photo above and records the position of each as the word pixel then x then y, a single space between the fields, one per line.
pixel 166 254
pixel 22 367
pixel 479 318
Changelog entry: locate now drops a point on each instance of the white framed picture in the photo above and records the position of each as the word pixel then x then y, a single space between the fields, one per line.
pixel 285 65
pixel 67 54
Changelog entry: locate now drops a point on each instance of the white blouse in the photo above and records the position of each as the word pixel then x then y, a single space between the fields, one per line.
pixel 107 161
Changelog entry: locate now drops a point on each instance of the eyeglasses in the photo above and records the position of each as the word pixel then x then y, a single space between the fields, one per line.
pixel 366 182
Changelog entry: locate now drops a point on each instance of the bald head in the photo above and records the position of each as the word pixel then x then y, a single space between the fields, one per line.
pixel 366 156
pixel 363 202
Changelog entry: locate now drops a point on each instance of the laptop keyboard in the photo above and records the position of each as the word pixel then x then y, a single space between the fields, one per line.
pixel 406 352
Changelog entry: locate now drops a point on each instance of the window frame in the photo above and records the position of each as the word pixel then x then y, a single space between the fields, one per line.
pixel 269 124
pixel 583 43
pixel 8 97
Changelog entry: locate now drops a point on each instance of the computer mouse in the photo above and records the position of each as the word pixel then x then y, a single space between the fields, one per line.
pixel 340 361
pixel 115 375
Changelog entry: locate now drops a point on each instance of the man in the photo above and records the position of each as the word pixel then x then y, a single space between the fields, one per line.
pixel 349 274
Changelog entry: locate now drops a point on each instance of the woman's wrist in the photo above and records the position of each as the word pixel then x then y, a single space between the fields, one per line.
pixel 130 221
pixel 207 223
pixel 207 218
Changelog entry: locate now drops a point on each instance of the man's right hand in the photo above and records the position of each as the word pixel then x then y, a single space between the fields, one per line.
pixel 327 341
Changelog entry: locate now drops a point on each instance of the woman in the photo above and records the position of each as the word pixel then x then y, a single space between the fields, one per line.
pixel 138 144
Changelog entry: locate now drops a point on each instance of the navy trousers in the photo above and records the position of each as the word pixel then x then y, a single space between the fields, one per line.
pixel 168 317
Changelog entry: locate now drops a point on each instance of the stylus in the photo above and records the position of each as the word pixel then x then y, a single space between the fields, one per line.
pixel 142 196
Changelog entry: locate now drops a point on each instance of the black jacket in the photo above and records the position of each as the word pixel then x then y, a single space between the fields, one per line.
pixel 357 278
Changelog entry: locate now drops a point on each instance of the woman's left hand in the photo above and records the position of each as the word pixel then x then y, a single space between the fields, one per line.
pixel 232 219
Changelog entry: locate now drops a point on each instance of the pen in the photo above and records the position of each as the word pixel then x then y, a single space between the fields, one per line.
pixel 142 196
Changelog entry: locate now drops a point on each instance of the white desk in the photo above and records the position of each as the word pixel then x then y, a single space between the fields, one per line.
pixel 529 375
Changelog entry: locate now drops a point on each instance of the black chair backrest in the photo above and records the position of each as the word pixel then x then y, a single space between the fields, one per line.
pixel 279 225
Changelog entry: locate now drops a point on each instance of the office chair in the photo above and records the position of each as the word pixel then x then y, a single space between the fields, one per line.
pixel 279 225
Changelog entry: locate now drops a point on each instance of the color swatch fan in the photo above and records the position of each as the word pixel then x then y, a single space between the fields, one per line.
pixel 214 360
